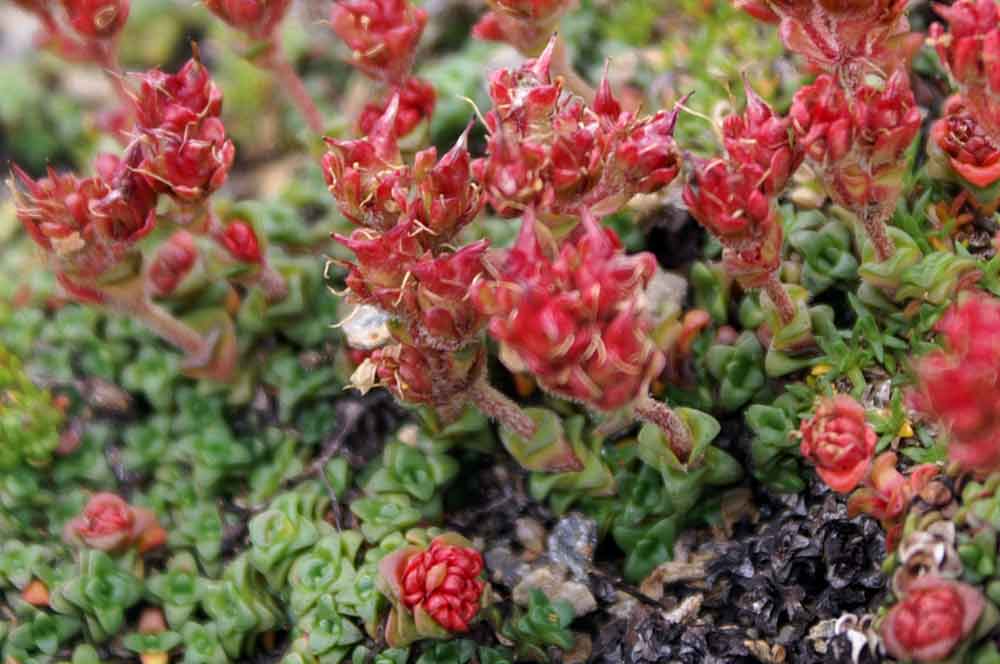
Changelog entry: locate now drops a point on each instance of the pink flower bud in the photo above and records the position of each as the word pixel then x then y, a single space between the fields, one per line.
pixel 97 19
pixel 109 523
pixel 240 240
pixel 174 101
pixel 932 619
pixel 382 35
pixel 173 261
pixel 840 442
pixel 257 18
pixel 416 105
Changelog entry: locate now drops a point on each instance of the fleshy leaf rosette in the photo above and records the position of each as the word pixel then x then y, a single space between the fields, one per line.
pixel 108 523
pixel 959 384
pixel 960 149
pixel 846 38
pixel 840 442
pixel 932 619
pixel 969 50
pixel 573 317
pixel 887 493
pixel 436 591
pixel 382 35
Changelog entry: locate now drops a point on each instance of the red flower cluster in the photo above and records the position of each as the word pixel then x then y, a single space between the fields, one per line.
pixel 184 149
pixel 573 316
pixel 382 35
pixel 87 226
pixel 525 24
pixel 259 19
pixel 960 386
pixel 552 152
pixel 887 493
pixel 846 38
pixel 857 143
pixel 933 618
pixel 970 49
pixel 444 581
pixel 80 30
pixel 109 523
pixel 840 442
pixel 961 149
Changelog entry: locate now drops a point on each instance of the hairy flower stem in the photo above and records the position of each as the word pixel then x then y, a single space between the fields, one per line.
pixel 288 78
pixel 778 295
pixel 132 300
pixel 498 406
pixel 875 228
pixel 274 285
pixel 677 432
pixel 561 66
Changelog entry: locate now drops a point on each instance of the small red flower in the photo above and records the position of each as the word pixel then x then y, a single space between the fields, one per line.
pixel 97 19
pixel 367 176
pixel 174 101
pixel 240 240
pixel 524 24
pixel 191 165
pixel 968 151
pixel 109 523
pixel 840 442
pixel 959 385
pixel 444 581
pixel 382 35
pixel 822 121
pixel 382 262
pixel 173 261
pixel 422 375
pixel 445 317
pixel 257 18
pixel 932 619
pixel 416 105
pixel 449 197
pixel 762 137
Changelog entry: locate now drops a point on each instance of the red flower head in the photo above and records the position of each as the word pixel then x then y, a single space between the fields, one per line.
pixel 109 523
pixel 97 19
pixel 512 174
pixel 240 240
pixel 525 24
pixel 449 197
pixel 173 261
pixel 970 50
pixel 173 101
pixel 86 225
pixel 382 35
pixel 647 154
pixel 380 273
pixel 127 212
pixel 967 150
pixel 887 493
pixel 932 619
pixel 256 18
pixel 525 99
pixel 367 176
pixel 960 385
pixel 575 319
pixel 188 165
pixel 416 105
pixel 822 121
pixel 444 311
pixel 847 38
pixel 442 581
pixel 839 441
pixel 761 137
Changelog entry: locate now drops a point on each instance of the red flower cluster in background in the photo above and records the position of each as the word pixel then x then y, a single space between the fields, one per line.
pixel 258 19
pixel 960 148
pixel 932 619
pixel 960 384
pixel 525 24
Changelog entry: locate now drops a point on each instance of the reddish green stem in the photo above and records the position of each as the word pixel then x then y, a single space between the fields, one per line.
pixel 289 79
pixel 677 432
pixel 498 406
pixel 778 295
